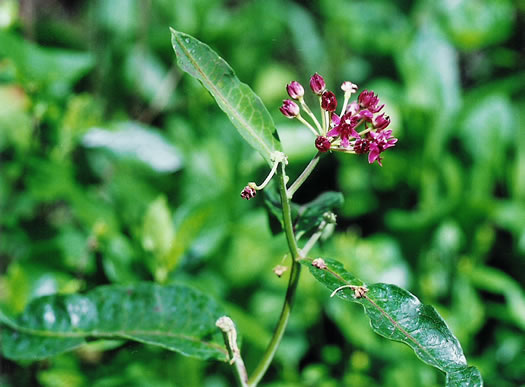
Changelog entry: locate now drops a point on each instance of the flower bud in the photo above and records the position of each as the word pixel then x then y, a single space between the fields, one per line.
pixel 248 192
pixel 323 144
pixel 317 84
pixel 349 87
pixel 328 101
pixel 295 90
pixel 289 108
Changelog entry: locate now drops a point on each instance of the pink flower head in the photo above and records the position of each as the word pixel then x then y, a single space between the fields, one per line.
pixel 380 142
pixel 335 120
pixel 322 144
pixel 369 100
pixel 365 114
pixel 381 122
pixel 317 84
pixel 345 129
pixel 328 101
pixel 295 90
pixel 289 108
pixel 248 193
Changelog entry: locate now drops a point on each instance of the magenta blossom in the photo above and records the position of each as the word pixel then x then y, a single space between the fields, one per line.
pixel 379 142
pixel 369 100
pixel 381 122
pixel 345 129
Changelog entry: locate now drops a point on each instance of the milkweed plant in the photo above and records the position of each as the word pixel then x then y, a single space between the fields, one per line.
pixel 358 126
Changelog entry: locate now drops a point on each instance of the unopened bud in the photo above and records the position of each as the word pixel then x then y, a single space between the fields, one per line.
pixel 289 109
pixel 317 84
pixel 248 192
pixel 328 101
pixel 295 90
pixel 322 144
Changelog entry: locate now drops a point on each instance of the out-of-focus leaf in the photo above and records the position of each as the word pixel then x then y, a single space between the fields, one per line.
pixel 145 73
pixel 243 107
pixel 487 127
pixel 430 70
pixel 474 25
pixel 174 317
pixel 15 122
pixel 354 20
pixel 496 281
pixel 398 315
pixel 158 230
pixel 136 140
pixel 57 70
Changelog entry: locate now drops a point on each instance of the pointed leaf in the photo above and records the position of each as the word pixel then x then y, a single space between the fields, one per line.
pixel 243 107
pixel 398 315
pixel 305 217
pixel 174 317
pixel 311 214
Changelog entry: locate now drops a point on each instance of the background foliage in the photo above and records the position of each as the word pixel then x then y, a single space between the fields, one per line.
pixel 116 169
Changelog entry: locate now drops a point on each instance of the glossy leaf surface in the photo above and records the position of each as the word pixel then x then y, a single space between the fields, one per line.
pixel 244 108
pixel 398 315
pixel 174 317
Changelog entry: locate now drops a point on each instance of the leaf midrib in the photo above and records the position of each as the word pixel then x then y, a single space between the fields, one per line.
pixel 219 94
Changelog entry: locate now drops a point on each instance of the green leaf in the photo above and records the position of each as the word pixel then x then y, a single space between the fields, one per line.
pixel 311 214
pixel 243 107
pixel 398 315
pixel 174 317
pixel 305 217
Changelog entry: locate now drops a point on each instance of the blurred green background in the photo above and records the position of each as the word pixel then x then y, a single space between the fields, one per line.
pixel 116 168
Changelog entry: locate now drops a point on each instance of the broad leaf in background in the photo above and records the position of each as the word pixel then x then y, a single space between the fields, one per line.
pixel 174 317
pixel 243 107
pixel 398 315
pixel 136 140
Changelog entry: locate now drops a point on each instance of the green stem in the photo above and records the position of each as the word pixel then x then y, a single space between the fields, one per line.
pixel 313 239
pixel 292 284
pixel 302 178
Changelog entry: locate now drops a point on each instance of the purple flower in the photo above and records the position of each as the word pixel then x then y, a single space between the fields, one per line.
pixel 381 122
pixel 335 120
pixel 323 144
pixel 379 142
pixel 345 129
pixel 353 108
pixel 328 101
pixel 289 108
pixel 317 84
pixel 248 193
pixel 369 100
pixel 365 114
pixel 295 90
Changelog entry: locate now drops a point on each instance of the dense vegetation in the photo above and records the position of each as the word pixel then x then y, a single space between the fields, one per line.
pixel 118 169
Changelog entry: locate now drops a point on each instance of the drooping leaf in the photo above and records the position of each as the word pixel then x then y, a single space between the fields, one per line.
pixel 398 315
pixel 174 317
pixel 243 107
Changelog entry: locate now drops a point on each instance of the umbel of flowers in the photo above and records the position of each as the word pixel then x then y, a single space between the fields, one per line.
pixel 359 128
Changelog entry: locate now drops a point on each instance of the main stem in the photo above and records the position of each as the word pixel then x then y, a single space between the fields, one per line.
pixel 292 284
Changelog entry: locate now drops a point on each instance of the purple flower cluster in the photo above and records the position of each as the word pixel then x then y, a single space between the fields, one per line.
pixel 340 132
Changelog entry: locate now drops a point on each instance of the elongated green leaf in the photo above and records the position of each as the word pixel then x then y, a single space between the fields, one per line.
pixel 398 315
pixel 174 317
pixel 243 107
